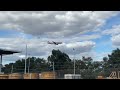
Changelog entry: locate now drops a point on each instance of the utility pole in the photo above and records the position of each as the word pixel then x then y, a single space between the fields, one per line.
pixel 1 64
pixel 25 59
pixel 74 60
pixel 53 70
pixel 29 65
pixel 12 69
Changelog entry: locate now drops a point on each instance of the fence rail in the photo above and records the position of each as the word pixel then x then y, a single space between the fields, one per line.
pixel 85 73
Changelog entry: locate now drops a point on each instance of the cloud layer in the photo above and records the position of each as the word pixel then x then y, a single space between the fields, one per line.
pixel 54 23
pixel 70 27
pixel 39 48
pixel 114 32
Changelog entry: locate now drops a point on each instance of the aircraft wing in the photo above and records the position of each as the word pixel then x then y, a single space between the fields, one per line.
pixel 49 42
pixel 56 43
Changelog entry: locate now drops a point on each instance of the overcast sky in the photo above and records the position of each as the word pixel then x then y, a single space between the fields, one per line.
pixel 93 34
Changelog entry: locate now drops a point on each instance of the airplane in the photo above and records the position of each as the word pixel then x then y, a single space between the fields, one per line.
pixel 56 43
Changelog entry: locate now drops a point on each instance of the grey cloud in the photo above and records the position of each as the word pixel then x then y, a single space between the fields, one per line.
pixel 58 22
pixel 115 34
pixel 113 31
pixel 80 47
pixel 64 26
pixel 116 40
pixel 40 48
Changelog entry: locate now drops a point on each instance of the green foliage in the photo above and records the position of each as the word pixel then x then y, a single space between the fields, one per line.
pixel 88 68
pixel 114 58
pixel 36 65
pixel 112 63
pixel 60 59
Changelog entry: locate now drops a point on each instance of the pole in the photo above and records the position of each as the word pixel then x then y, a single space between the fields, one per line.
pixel 54 67
pixel 1 64
pixel 12 69
pixel 25 59
pixel 74 61
pixel 29 65
pixel 53 70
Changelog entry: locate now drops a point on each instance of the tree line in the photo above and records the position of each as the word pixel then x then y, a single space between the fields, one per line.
pixel 87 67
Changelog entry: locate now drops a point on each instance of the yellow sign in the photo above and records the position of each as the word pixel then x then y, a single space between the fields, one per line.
pixel 115 75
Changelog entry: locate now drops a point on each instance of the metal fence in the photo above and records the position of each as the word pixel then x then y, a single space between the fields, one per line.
pixel 85 73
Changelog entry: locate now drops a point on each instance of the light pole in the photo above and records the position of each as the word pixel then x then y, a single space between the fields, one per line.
pixel 53 67
pixel 74 60
pixel 29 64
pixel 12 69
pixel 25 41
pixel 25 59
pixel 1 64
pixel 53 70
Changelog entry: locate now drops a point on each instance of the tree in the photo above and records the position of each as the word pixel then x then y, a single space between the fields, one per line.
pixel 114 58
pixel 7 68
pixel 36 65
pixel 87 61
pixel 87 68
pixel 112 63
pixel 105 59
pixel 60 59
pixel 41 65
